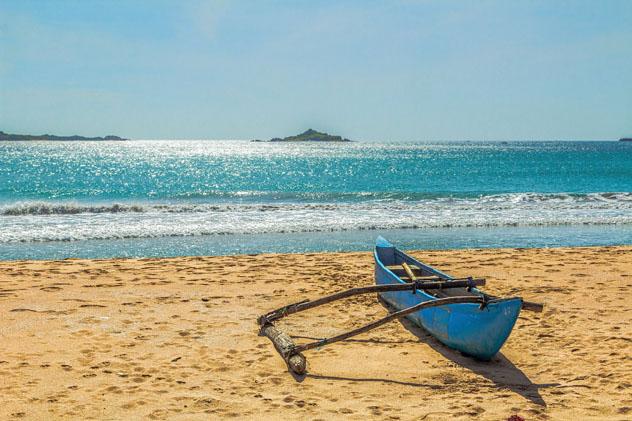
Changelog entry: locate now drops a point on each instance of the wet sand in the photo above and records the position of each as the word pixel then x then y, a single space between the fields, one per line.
pixel 177 339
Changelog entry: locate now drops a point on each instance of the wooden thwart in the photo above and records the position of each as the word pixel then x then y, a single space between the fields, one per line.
pixel 401 266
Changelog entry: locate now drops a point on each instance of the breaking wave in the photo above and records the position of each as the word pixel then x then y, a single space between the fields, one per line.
pixel 391 201
pixel 51 221
pixel 46 208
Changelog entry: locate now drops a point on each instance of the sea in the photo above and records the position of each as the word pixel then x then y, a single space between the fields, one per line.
pixel 156 198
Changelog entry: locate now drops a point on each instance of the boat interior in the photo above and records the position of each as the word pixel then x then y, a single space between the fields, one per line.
pixel 405 270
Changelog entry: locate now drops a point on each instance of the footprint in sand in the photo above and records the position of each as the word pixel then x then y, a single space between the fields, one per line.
pixel 51 288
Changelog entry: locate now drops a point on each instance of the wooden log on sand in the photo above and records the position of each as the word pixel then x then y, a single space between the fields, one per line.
pixel 285 346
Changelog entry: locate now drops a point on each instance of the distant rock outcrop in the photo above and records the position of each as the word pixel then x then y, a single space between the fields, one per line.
pixel 9 136
pixel 308 136
pixel 625 139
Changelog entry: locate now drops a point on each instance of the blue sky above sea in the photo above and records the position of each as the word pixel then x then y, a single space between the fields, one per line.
pixel 389 71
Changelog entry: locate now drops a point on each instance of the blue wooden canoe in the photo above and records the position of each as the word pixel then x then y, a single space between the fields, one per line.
pixel 465 327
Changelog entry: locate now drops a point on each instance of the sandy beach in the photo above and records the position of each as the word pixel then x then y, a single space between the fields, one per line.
pixel 176 338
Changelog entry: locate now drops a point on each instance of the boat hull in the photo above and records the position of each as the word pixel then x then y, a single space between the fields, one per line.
pixel 465 327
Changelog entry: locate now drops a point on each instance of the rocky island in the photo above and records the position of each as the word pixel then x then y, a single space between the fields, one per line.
pixel 15 137
pixel 308 136
pixel 625 139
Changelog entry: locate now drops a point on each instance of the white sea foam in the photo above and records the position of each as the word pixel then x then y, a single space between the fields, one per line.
pixel 47 208
pixel 47 221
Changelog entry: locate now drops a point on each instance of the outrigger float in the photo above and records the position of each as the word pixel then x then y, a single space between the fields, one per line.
pixel 451 309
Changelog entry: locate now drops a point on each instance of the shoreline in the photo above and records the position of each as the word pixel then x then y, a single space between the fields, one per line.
pixel 298 253
pixel 176 338
pixel 352 241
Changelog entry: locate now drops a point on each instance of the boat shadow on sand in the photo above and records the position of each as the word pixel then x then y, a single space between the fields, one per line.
pixel 501 372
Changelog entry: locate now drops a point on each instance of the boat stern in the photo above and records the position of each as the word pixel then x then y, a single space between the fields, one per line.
pixel 475 331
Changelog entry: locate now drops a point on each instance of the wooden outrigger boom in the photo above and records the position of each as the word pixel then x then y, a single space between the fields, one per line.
pixel 428 283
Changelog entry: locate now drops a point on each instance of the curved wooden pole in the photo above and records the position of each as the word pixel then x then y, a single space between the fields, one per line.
pixel 393 316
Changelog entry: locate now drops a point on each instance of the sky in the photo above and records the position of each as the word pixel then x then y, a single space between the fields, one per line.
pixel 399 70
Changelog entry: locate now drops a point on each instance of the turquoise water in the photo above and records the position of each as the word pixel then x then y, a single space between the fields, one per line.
pixel 167 198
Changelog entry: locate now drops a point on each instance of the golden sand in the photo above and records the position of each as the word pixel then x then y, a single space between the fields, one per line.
pixel 177 339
